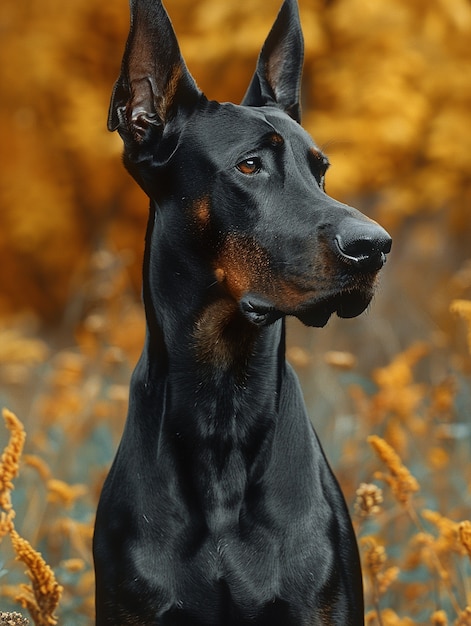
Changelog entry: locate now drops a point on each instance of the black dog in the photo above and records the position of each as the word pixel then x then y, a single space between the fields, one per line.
pixel 220 508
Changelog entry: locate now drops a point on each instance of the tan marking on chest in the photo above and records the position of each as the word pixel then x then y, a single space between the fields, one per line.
pixel 222 337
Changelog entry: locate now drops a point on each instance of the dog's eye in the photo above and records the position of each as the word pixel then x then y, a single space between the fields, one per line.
pixel 252 165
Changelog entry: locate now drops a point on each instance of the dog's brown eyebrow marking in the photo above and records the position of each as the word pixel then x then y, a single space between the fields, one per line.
pixel 276 139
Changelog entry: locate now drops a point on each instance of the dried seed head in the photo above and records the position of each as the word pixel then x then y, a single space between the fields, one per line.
pixel 369 499
pixel 401 481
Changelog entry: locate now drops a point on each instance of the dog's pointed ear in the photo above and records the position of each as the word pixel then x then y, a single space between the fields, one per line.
pixel 154 83
pixel 277 79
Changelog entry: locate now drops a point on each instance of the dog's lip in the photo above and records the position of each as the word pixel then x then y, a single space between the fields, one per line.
pixel 345 304
pixel 316 312
pixel 259 311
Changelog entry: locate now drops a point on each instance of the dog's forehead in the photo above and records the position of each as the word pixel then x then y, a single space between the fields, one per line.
pixel 236 128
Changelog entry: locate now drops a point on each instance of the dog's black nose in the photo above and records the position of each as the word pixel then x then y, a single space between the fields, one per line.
pixel 361 244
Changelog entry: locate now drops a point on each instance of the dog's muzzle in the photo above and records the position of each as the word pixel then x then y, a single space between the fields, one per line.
pixel 360 248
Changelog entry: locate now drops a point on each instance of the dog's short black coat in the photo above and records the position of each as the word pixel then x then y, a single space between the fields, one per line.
pixel 220 508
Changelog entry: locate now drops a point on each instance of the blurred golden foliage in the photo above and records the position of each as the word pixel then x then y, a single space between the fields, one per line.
pixel 387 92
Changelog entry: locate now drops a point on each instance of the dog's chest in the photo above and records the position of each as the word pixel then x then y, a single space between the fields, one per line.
pixel 218 577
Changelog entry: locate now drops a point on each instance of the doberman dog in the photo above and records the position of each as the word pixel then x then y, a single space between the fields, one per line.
pixel 220 508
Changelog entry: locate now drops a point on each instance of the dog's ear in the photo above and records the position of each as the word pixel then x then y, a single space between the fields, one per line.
pixel 154 83
pixel 277 79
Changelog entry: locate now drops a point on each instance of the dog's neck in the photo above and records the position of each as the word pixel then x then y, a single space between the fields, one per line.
pixel 201 345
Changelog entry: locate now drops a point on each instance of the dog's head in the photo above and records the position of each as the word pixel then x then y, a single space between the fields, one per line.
pixel 244 183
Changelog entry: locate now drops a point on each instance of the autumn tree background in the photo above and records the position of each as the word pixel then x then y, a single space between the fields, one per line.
pixel 387 95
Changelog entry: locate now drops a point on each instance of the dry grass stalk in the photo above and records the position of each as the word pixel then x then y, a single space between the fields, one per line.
pixel 63 493
pixel 41 598
pixel 10 460
pixel 453 537
pixel 448 540
pixel 38 464
pixel 380 579
pixel 403 485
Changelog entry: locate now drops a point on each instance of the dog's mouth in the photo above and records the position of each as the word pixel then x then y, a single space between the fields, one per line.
pixel 316 312
pixel 345 305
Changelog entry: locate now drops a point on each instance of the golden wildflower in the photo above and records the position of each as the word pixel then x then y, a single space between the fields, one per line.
pixel 9 462
pixel 431 551
pixel 439 618
pixel 464 531
pixel 41 598
pixel 449 537
pixel 421 550
pixel 386 579
pixel 464 618
pixel 400 480
pixel 63 493
pixel 374 560
pixel 375 555
pixel 368 500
